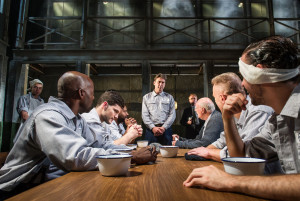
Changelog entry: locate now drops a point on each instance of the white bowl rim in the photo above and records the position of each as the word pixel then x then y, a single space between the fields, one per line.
pixel 131 145
pixel 237 160
pixel 168 146
pixel 113 156
pixel 142 141
pixel 123 149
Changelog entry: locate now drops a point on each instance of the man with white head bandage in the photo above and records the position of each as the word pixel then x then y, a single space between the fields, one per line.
pixel 271 76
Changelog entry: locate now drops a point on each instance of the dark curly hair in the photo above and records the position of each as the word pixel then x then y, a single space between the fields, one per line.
pixel 273 52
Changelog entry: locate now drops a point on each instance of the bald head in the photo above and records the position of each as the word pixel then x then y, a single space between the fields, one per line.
pixel 76 90
pixel 70 82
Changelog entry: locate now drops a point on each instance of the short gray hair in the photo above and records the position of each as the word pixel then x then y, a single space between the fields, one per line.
pixel 34 82
pixel 207 104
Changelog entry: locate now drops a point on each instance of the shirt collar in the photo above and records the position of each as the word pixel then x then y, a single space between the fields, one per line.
pixel 207 120
pixel 160 94
pixel 292 106
pixel 114 123
pixel 62 106
pixel 39 98
pixel 95 115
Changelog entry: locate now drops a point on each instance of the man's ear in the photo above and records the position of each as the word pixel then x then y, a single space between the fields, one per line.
pixel 105 105
pixel 80 93
pixel 223 98
pixel 203 110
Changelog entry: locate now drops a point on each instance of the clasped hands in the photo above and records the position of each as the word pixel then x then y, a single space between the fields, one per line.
pixel 157 131
pixel 134 131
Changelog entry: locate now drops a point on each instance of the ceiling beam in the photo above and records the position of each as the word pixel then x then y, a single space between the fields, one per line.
pixel 36 67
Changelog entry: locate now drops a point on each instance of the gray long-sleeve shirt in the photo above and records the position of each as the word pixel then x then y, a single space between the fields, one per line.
pixel 280 134
pixel 100 130
pixel 158 109
pixel 248 125
pixel 28 103
pixel 52 134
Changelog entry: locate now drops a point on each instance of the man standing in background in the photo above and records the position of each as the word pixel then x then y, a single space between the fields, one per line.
pixel 158 112
pixel 27 103
pixel 190 119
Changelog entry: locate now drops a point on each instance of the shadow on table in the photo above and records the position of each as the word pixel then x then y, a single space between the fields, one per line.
pixel 133 174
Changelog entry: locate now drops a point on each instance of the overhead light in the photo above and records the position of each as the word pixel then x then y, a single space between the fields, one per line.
pixel 105 2
pixel 240 5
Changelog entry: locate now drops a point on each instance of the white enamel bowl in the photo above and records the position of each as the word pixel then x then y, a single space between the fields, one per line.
pixel 244 166
pixel 124 150
pixel 169 151
pixel 114 165
pixel 142 143
pixel 133 146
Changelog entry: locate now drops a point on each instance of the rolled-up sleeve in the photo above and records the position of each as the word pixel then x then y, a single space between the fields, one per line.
pixel 253 124
pixel 22 104
pixel 220 142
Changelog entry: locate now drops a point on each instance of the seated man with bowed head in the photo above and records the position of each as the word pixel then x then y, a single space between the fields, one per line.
pixel 109 106
pixel 248 121
pixel 117 130
pixel 211 129
pixel 271 76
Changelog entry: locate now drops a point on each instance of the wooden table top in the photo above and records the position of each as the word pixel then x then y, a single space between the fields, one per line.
pixel 160 181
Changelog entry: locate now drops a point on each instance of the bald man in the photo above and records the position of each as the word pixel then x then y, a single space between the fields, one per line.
pixel 55 133
pixel 211 129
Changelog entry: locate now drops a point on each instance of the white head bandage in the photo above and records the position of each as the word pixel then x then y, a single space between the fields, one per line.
pixel 35 81
pixel 255 75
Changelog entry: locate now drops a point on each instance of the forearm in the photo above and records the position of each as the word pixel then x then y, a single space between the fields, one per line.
pixel 125 139
pixel 214 154
pixel 211 146
pixel 283 187
pixel 189 144
pixel 234 142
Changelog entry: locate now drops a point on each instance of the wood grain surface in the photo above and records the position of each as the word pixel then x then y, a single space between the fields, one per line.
pixel 160 181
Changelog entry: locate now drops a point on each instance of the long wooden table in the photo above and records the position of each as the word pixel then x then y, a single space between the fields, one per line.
pixel 160 181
